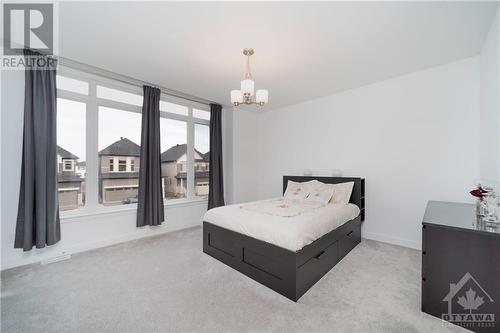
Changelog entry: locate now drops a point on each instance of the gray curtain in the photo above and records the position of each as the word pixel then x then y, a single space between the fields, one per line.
pixel 150 198
pixel 216 189
pixel 38 211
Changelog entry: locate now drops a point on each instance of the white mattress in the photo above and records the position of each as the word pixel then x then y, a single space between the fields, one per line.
pixel 289 232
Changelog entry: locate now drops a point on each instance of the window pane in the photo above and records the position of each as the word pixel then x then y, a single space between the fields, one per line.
pixel 119 156
pixel 201 114
pixel 173 135
pixel 73 85
pixel 119 96
pixel 173 108
pixel 70 154
pixel 201 160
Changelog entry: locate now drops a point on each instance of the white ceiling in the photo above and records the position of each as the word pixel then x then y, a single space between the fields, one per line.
pixel 303 50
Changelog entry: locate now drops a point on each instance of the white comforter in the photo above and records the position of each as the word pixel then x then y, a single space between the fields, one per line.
pixel 290 225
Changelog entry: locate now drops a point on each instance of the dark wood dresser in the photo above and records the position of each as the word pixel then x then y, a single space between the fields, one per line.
pixel 460 267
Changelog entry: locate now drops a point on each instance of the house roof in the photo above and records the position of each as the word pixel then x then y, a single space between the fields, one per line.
pixel 122 147
pixel 66 154
pixel 64 178
pixel 120 175
pixel 198 174
pixel 206 156
pixel 81 164
pixel 175 152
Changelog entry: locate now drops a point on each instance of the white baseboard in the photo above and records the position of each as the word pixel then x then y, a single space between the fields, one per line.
pixel 392 240
pixel 164 228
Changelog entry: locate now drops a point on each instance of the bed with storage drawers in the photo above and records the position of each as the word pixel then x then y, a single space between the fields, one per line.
pixel 287 245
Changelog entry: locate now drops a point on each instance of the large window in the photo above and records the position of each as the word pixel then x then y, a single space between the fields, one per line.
pixel 99 137
pixel 119 156
pixel 70 153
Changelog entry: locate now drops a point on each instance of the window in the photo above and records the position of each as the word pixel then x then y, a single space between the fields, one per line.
pixel 68 165
pixel 70 150
pixel 119 96
pixel 92 108
pixel 201 159
pixel 122 165
pixel 174 158
pixel 173 108
pixel 119 144
pixel 73 85
pixel 201 114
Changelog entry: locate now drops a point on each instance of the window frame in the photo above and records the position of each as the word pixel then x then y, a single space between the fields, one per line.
pixel 92 205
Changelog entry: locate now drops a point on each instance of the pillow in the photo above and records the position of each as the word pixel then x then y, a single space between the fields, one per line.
pixel 320 194
pixel 297 191
pixel 342 192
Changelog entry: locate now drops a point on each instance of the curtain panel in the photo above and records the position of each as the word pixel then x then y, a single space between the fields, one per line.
pixel 38 221
pixel 216 189
pixel 150 198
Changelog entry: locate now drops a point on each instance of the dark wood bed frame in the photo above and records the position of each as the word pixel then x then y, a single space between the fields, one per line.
pixel 289 273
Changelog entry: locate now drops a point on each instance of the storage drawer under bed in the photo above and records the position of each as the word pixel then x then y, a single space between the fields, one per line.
pixel 319 264
pixel 289 273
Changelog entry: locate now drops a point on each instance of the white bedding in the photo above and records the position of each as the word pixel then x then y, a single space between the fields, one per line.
pixel 291 227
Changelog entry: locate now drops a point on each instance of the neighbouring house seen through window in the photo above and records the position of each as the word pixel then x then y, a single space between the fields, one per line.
pixel 174 157
pixel 70 153
pixel 88 104
pixel 119 145
pixel 201 159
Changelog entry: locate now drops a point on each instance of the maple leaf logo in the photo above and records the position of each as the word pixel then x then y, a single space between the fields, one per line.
pixel 470 301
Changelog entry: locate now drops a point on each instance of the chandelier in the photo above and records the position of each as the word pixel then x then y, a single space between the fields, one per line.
pixel 247 95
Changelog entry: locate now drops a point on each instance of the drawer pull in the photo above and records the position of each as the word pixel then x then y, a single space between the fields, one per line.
pixel 320 255
pixel 350 232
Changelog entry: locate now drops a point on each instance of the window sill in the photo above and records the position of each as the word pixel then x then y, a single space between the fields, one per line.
pixel 100 210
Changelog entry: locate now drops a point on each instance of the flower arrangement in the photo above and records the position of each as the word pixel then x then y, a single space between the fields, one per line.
pixel 479 192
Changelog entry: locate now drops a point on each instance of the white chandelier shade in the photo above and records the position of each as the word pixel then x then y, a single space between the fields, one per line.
pixel 247 93
pixel 262 96
pixel 236 96
pixel 247 87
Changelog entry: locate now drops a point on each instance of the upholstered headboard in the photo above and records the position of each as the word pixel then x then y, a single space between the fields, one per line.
pixel 358 192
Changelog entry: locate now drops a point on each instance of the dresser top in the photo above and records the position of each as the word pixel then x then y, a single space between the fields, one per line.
pixel 456 215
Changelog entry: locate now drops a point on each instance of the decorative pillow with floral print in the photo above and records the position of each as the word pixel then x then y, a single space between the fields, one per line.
pixel 297 191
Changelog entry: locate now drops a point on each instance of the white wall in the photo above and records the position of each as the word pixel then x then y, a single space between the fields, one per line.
pixel 490 103
pixel 414 138
pixel 84 232
pixel 247 145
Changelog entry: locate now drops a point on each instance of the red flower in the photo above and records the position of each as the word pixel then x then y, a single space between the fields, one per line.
pixel 479 193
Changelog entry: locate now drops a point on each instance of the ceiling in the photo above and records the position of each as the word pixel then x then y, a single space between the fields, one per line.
pixel 303 50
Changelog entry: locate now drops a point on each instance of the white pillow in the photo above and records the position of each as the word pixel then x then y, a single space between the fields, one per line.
pixel 342 192
pixel 320 194
pixel 297 191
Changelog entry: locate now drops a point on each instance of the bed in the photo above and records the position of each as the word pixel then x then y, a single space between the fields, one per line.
pixel 292 262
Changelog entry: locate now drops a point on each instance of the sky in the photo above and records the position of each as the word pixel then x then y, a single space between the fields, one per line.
pixel 114 124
